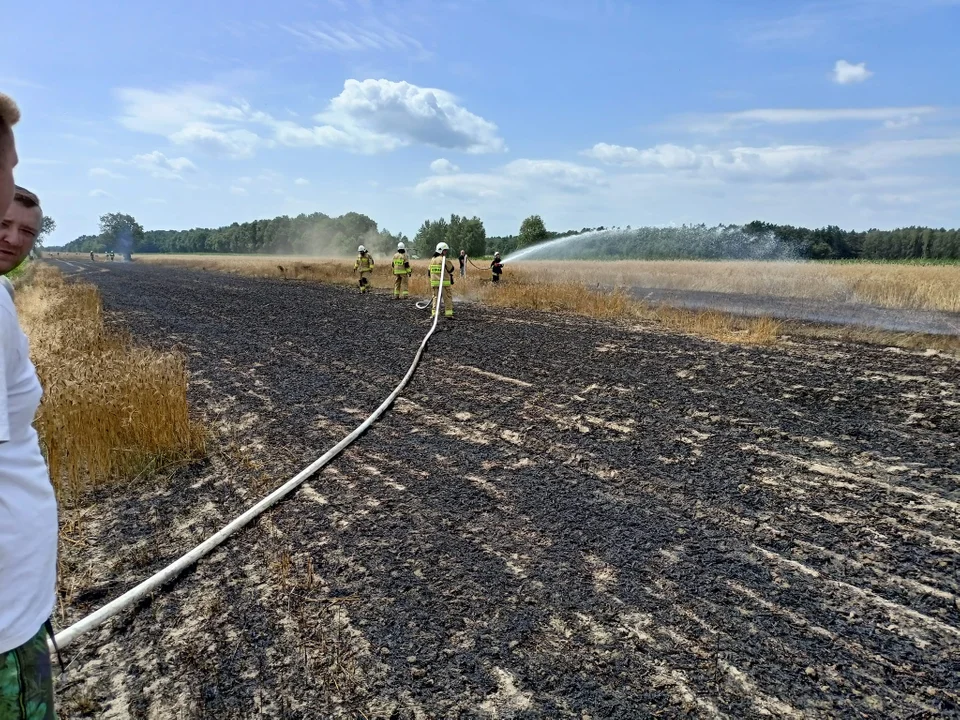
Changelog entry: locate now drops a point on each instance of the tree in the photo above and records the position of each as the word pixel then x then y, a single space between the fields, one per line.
pixel 532 230
pixel 428 236
pixel 47 226
pixel 473 238
pixel 121 233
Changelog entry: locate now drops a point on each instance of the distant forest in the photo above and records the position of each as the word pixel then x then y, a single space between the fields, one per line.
pixel 319 234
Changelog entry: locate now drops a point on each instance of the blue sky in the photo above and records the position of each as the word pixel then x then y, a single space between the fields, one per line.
pixel 588 112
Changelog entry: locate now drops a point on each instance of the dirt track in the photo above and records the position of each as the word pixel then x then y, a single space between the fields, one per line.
pixel 559 518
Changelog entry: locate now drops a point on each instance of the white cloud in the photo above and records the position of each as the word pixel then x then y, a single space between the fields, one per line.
pixel 164 113
pixel 372 36
pixel 368 116
pixel 160 166
pixel 895 152
pixel 783 163
pixel 412 114
pixel 559 174
pixel 301 181
pixel 236 143
pixel 195 116
pixel 237 190
pixel 98 193
pixel 515 179
pixel 901 123
pixel 689 197
pixel 372 116
pixel 103 172
pixel 442 166
pixel 355 140
pixel 469 186
pixel 799 116
pixel 667 156
pixel 845 73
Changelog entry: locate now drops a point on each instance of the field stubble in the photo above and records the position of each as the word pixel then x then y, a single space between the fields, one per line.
pixel 560 517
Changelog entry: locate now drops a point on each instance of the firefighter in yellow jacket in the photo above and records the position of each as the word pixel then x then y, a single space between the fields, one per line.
pixel 364 264
pixel 438 261
pixel 401 272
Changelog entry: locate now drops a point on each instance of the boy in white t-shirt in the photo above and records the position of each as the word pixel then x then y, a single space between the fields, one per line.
pixel 28 507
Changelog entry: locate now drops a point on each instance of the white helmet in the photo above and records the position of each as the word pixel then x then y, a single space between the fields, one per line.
pixel 361 249
pixel 401 246
pixel 441 247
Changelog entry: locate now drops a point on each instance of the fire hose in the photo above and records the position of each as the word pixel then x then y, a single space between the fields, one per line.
pixel 171 571
pixel 426 303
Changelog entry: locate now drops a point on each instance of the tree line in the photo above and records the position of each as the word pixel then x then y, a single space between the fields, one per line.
pixel 314 234
pixel 833 243
pixel 320 234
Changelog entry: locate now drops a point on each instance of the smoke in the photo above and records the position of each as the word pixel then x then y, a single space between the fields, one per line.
pixel 322 239
pixel 124 243
pixel 662 243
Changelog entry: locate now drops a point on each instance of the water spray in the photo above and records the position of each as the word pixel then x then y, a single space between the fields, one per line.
pixel 662 243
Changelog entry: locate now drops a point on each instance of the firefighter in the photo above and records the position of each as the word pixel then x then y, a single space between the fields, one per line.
pixel 401 272
pixel 364 264
pixel 496 267
pixel 440 260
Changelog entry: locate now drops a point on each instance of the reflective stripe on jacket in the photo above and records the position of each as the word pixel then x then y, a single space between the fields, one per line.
pixel 400 265
pixel 435 265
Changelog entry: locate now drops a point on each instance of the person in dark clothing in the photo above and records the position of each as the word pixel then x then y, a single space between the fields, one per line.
pixel 463 263
pixel 496 267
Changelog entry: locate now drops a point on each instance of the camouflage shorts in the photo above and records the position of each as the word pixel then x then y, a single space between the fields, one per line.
pixel 26 681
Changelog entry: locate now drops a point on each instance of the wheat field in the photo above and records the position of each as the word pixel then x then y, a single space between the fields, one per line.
pixel 900 286
pixel 111 409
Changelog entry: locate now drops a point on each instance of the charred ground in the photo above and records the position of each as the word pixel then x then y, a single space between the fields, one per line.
pixel 559 518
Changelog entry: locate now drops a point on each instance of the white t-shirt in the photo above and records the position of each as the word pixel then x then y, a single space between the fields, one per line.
pixel 28 507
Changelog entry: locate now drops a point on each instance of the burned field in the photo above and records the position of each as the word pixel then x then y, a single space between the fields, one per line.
pixel 558 518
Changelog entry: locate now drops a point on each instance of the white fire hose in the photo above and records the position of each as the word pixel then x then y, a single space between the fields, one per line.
pixel 154 582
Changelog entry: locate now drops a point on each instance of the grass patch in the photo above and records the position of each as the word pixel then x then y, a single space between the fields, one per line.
pixel 720 326
pixel 111 410
pixel 18 272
